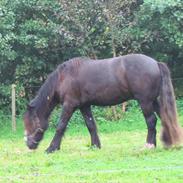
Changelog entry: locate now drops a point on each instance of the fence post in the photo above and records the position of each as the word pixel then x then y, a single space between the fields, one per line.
pixel 13 107
pixel 124 106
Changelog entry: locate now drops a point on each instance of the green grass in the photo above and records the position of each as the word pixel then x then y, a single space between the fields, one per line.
pixel 121 158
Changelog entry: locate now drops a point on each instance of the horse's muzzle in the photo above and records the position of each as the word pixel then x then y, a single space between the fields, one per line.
pixel 31 143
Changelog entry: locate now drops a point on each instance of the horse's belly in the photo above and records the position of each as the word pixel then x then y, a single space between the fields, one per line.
pixel 108 102
pixel 109 97
pixel 106 90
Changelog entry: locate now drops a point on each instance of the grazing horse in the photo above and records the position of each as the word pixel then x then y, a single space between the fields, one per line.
pixel 82 82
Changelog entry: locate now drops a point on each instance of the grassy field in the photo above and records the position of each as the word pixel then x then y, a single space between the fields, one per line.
pixel 121 159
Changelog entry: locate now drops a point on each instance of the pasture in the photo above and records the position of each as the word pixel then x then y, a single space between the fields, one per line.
pixel 121 158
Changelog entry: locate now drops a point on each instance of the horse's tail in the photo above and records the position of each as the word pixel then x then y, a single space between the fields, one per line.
pixel 172 133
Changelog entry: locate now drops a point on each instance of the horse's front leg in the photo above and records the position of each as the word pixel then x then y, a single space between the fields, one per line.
pixel 63 121
pixel 90 123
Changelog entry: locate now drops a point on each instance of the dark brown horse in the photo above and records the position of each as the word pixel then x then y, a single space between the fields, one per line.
pixel 82 82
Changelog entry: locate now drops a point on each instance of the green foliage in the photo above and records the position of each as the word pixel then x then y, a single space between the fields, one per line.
pixel 180 106
pixel 35 36
pixel 101 115
pixel 159 25
pixel 158 29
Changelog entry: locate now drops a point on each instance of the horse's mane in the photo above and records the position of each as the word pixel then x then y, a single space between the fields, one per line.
pixel 46 91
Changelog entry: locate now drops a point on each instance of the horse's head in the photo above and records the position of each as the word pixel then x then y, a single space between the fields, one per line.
pixel 34 128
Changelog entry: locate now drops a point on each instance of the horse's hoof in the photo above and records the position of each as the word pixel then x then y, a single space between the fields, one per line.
pixel 48 151
pixel 94 146
pixel 98 146
pixel 149 146
pixel 51 150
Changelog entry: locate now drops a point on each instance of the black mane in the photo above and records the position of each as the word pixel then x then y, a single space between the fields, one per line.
pixel 46 91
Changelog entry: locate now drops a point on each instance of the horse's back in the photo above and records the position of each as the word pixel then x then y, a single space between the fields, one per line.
pixel 114 80
pixel 135 75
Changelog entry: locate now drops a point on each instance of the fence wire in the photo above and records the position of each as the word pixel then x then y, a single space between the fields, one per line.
pixel 89 173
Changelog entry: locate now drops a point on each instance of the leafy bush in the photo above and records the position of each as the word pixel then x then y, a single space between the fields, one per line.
pixel 35 36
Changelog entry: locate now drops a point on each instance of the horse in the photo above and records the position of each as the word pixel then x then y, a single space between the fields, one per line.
pixel 81 82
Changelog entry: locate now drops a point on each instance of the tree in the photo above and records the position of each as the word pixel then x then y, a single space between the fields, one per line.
pixel 35 36
pixel 158 30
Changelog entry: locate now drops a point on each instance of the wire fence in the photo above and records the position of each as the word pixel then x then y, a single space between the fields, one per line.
pixel 176 79
pixel 177 82
pixel 97 172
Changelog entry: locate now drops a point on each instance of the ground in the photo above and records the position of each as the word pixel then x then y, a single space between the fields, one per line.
pixel 121 158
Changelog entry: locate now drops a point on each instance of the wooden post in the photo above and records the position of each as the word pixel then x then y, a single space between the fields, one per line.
pixel 124 106
pixel 116 117
pixel 13 107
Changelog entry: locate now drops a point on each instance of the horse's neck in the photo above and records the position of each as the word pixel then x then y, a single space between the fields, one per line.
pixel 51 107
pixel 46 107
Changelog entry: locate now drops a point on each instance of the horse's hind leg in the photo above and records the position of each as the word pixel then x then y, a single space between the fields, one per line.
pixel 150 117
pixel 156 107
pixel 90 123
